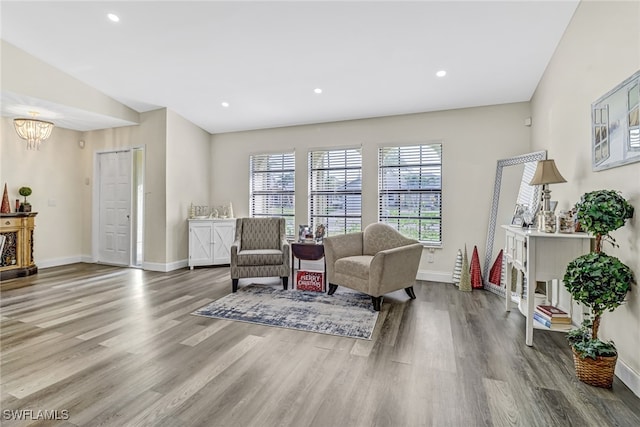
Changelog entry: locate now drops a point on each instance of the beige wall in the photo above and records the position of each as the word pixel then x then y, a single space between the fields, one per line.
pixel 188 180
pixel 54 173
pixel 600 49
pixel 473 140
pixel 151 134
pixel 26 75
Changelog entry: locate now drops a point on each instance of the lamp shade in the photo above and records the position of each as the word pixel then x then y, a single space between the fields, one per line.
pixel 546 173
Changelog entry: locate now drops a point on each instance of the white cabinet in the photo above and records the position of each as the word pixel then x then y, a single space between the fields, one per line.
pixel 210 241
pixel 540 257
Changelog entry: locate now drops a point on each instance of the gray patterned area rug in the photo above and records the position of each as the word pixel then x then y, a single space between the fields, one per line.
pixel 345 313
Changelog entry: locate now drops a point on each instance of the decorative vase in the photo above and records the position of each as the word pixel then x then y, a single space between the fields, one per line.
pixel 6 207
pixel 597 372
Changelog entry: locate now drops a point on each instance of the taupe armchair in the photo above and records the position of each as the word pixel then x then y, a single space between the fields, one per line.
pixel 260 249
pixel 376 261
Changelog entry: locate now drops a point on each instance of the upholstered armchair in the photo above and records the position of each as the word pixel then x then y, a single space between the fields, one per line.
pixel 376 261
pixel 260 249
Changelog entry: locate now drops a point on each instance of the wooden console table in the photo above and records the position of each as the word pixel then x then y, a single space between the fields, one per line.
pixel 539 257
pixel 16 259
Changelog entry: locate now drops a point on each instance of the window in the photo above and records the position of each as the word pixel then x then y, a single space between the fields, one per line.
pixel 410 191
pixel 272 189
pixel 335 190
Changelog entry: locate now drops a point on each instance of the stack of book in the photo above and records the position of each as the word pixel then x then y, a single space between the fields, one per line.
pixel 552 317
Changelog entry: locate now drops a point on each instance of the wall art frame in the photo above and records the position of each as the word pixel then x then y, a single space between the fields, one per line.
pixel 615 126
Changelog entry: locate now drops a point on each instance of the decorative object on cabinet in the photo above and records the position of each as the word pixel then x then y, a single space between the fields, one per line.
pixel 6 208
pixel 476 274
pixel 546 173
pixel 17 255
pixel 615 126
pixel 600 282
pixel 25 192
pixel 518 219
pixel 32 130
pixel 539 257
pixel 506 194
pixel 465 278
pixel 210 241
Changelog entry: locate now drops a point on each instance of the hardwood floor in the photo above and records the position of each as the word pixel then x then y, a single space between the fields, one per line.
pixel 112 347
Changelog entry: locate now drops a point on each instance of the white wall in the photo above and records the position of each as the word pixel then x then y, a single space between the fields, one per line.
pixel 54 173
pixel 599 50
pixel 473 140
pixel 188 180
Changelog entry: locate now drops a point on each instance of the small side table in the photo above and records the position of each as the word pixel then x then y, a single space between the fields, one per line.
pixel 307 252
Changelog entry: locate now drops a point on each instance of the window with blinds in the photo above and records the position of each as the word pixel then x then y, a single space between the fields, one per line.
pixel 410 191
pixel 272 187
pixel 335 190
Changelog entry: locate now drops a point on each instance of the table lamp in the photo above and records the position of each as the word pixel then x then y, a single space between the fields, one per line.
pixel 546 173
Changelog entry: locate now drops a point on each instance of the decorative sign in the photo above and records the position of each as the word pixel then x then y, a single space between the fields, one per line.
pixel 310 281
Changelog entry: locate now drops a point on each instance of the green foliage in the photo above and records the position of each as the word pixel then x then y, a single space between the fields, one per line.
pixel 598 281
pixel 580 339
pixel 25 191
pixel 603 211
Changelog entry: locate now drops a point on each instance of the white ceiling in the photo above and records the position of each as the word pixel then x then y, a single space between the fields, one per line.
pixel 266 58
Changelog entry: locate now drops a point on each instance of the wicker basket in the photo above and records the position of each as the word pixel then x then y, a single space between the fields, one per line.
pixel 598 372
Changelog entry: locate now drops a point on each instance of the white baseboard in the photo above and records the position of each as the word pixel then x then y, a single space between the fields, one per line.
pixel 628 376
pixel 165 267
pixel 55 262
pixel 435 276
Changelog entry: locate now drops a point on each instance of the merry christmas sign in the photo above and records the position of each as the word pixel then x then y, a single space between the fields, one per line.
pixel 310 281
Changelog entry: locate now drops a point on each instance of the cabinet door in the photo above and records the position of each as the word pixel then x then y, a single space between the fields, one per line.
pixel 200 243
pixel 223 235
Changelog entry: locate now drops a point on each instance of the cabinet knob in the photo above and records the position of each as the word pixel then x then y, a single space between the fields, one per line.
pixel 7 223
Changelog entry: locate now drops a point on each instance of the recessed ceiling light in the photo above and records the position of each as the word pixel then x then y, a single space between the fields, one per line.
pixel 317 90
pixel 441 73
pixel 113 17
pixel 225 104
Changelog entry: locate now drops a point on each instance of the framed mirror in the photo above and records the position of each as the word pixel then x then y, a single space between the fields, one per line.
pixel 511 192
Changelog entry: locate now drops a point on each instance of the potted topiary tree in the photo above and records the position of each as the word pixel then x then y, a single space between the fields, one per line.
pixel 24 192
pixel 600 282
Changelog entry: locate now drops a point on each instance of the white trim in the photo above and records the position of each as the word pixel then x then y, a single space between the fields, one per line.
pixel 628 376
pixel 165 267
pixel 56 262
pixel 435 276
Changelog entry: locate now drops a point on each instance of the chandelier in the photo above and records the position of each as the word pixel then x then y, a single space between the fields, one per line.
pixel 32 130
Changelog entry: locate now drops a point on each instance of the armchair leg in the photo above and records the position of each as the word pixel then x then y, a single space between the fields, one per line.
pixel 377 302
pixel 410 292
pixel 285 283
pixel 332 289
pixel 234 285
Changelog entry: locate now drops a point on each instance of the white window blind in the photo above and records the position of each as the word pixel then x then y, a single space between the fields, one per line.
pixel 335 190
pixel 272 187
pixel 410 191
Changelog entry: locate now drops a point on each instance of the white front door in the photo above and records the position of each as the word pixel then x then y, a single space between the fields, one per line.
pixel 115 208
